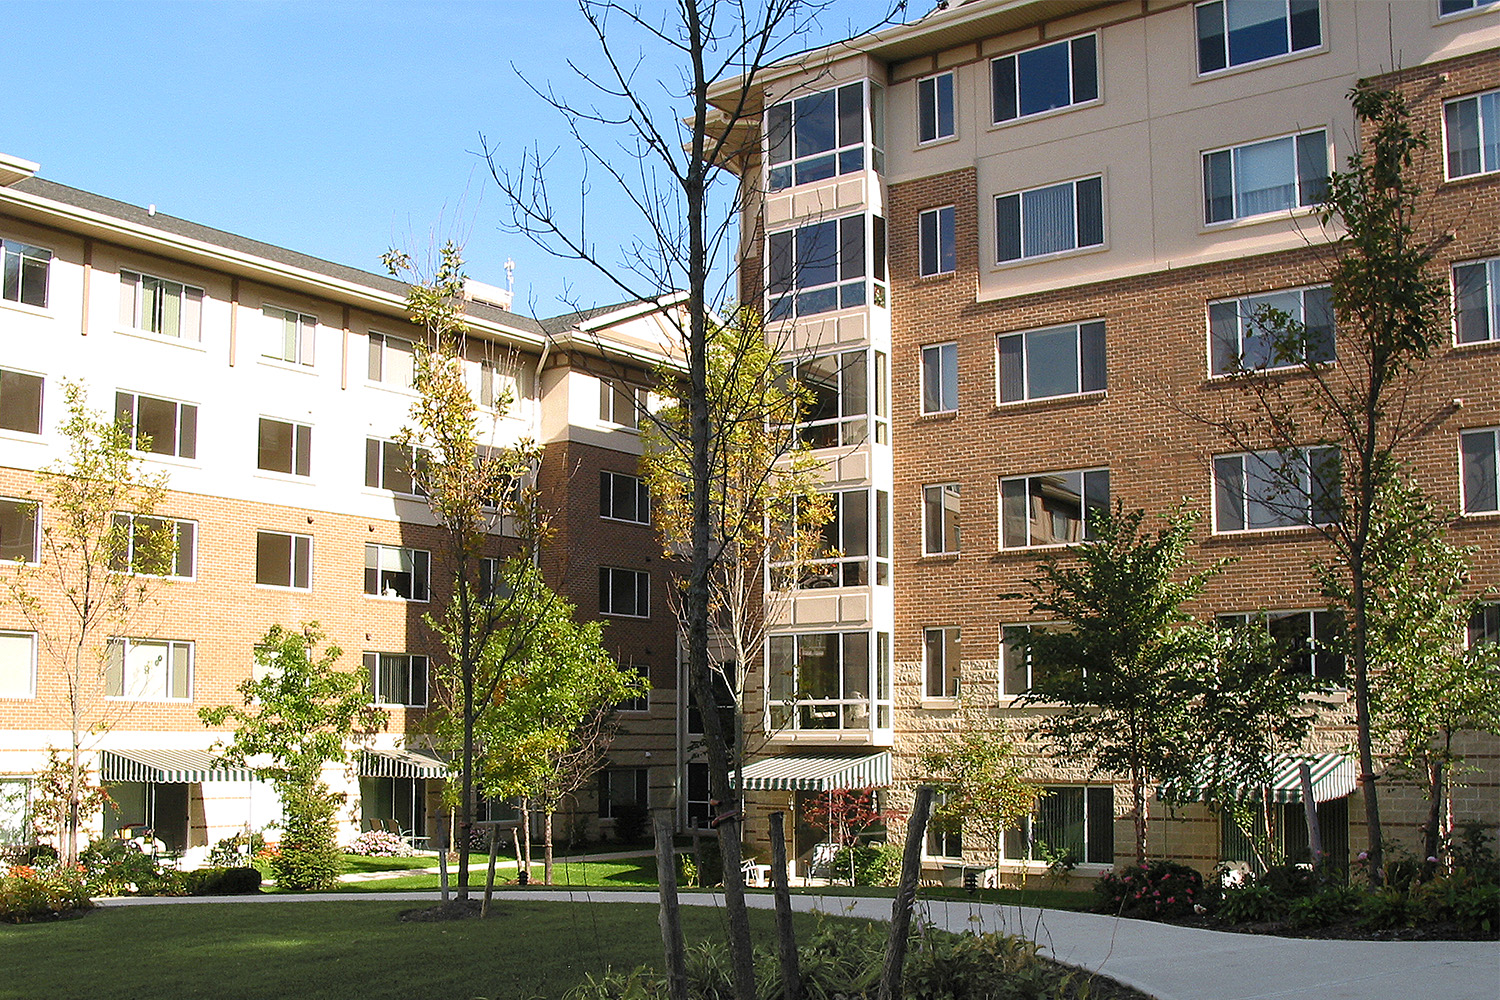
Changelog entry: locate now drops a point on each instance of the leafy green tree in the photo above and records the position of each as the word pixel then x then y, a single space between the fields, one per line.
pixel 982 780
pixel 100 568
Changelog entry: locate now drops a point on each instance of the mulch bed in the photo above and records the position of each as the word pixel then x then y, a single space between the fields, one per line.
pixel 1348 930
pixel 454 909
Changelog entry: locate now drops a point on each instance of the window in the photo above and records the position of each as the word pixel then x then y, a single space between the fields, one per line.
pixel 815 137
pixel 1310 641
pixel 697 796
pixel 1484 625
pixel 1476 303
pixel 1275 330
pixel 625 786
pixel 159 426
pixel 940 378
pixel 1471 133
pixel 1044 79
pixel 1270 489
pixel 940 509
pixel 621 403
pixel 725 701
pixel 393 571
pixel 624 592
pixel 157 305
pixel 837 389
pixel 1447 7
pixel 397 679
pixel 821 267
pixel 156 546
pixel 502 383
pixel 843 553
pixel 17 666
pixel 283 560
pixel 935 234
pixel 642 703
pixel 392 360
pixel 1070 821
pixel 288 336
pixel 935 108
pixel 18 531
pixel 390 466
pixel 1261 178
pixel 1015 662
pixel 285 447
pixel 490 584
pixel 941 651
pixel 20 402
pixel 1236 32
pixel 15 810
pixel 1481 461
pixel 624 498
pixel 944 833
pixel 24 273
pixel 1048 220
pixel 148 670
pixel 1052 508
pixel 1288 834
pixel 1061 361
pixel 827 680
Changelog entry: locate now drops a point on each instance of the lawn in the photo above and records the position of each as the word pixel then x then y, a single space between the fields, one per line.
pixel 629 873
pixel 360 863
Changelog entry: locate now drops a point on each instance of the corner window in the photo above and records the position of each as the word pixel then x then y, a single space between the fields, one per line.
pixel 283 560
pixel 936 239
pixel 624 787
pixel 827 680
pixel 836 412
pixel 1061 361
pixel 1480 457
pixel 1272 489
pixel 935 108
pixel 393 466
pixel 1471 134
pixel 397 679
pixel 942 658
pixel 815 137
pixel 23 273
pixel 1476 302
pixel 1044 79
pixel 1261 178
pixel 158 426
pixel 940 510
pixel 624 592
pixel 397 572
pixel 17 669
pixel 1049 220
pixel 1309 640
pixel 289 335
pixel 940 378
pixel 820 267
pixel 148 670
pixel 842 558
pixel 18 535
pixel 156 546
pixel 1070 821
pixel 1237 32
pixel 393 360
pixel 624 498
pixel 20 402
pixel 156 305
pixel 621 403
pixel 284 447
pixel 1052 508
pixel 1251 333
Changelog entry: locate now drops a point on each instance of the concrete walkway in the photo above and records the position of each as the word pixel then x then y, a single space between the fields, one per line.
pixel 1170 963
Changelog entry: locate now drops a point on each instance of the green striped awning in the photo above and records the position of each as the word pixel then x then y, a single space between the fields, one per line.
pixel 167 767
pixel 1334 775
pixel 817 774
pixel 401 763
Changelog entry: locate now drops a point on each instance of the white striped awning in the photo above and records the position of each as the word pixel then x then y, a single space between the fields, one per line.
pixel 167 767
pixel 817 774
pixel 401 763
pixel 1334 775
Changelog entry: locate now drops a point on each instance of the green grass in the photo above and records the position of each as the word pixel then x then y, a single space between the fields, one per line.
pixel 334 951
pixel 629 873
pixel 359 863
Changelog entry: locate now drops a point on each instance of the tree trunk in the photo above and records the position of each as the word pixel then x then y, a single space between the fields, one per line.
pixel 489 877
pixel 442 832
pixel 1360 649
pixel 1138 805
pixel 1310 806
pixel 786 934
pixel 547 846
pixel 669 916
pixel 1434 809
pixel 906 896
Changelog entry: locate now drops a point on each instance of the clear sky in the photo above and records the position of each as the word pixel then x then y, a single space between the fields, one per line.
pixel 333 128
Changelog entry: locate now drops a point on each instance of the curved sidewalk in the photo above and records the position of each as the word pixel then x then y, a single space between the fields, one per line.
pixel 1170 963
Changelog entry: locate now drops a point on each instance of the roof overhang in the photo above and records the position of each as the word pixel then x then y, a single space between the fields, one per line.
pixel 1334 775
pixel 817 773
pixel 167 767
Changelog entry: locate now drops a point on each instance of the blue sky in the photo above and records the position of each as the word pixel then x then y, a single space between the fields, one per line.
pixel 333 128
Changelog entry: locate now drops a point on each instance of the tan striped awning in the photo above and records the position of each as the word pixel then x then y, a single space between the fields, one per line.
pixel 1334 775
pixel 167 767
pixel 401 763
pixel 817 774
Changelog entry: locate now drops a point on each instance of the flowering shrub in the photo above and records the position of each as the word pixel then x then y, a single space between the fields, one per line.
pixel 1159 890
pixel 379 844
pixel 28 895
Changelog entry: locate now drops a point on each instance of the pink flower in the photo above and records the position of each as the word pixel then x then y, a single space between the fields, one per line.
pixel 1432 861
pixel 1364 856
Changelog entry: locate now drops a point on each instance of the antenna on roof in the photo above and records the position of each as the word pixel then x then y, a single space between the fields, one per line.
pixel 510 274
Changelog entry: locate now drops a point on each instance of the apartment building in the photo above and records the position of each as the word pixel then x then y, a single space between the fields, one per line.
pixel 1015 247
pixel 272 385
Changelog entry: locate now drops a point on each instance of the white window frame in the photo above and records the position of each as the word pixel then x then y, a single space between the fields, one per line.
pixel 1304 489
pixel 178 525
pixel 378 369
pixel 1306 191
pixel 13 255
pixel 788 298
pixel 1246 309
pixel 1078 332
pixel 1077 247
pixel 849 378
pixel 1483 625
pixel 22 504
pixel 302 543
pixel 31 657
pixel 1478 433
pixel 621 403
pixel 1489 269
pixel 129 691
pixel 1470 8
pixel 941 357
pixel 418 455
pixel 301 448
pixel 1486 141
pixel 180 409
pixel 784 699
pixel 642 592
pixel 372 665
pixel 1229 66
pixel 949 639
pixel 942 221
pixel 607 488
pixel 997 66
pixel 935 496
pixel 421 571
pixel 850 154
pixel 1083 506
pixel 12 380
pixel 133 283
pixel 1312 617
pixel 1027 830
pixel 941 836
pixel 930 101
pixel 276 345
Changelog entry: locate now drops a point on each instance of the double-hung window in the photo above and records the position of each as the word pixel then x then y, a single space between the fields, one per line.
pixel 1476 302
pixel 624 592
pixel 283 446
pixel 941 653
pixel 1052 508
pixel 940 511
pixel 821 266
pixel 398 572
pixel 156 305
pixel 1048 220
pixel 17 670
pixel 1237 32
pixel 1070 821
pixel 289 335
pixel 1275 330
pixel 20 402
pixel 1480 458
pixel 1471 134
pixel 621 403
pixel 1276 489
pixel 392 466
pixel 1261 178
pixel 624 498
pixel 827 680
pixel 816 136
pixel 392 360
pixel 935 108
pixel 283 560
pixel 158 426
pixel 1060 361
pixel 1045 78
pixel 397 679
pixel 18 536
pixel 155 546
pixel 936 238
pixel 23 273
pixel 940 378
pixel 148 670
pixel 1310 641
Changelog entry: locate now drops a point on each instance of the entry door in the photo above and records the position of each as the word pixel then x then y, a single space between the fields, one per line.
pixel 169 814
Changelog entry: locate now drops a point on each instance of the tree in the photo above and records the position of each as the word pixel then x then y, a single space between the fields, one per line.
pixel 1389 306
pixel 982 781
pixel 301 713
pixel 1123 661
pixel 103 555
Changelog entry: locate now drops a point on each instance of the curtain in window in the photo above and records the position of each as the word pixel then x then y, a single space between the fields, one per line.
pixel 1263 178
pixel 1048 225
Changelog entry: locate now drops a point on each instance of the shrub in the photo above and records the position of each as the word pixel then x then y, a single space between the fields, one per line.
pixel 309 859
pixel 631 821
pixel 1250 904
pixel 1289 881
pixel 1324 908
pixel 115 867
pixel 1159 890
pixel 36 855
pixel 1477 909
pixel 868 864
pixel 28 895
pixel 687 872
pixel 1388 908
pixel 231 851
pixel 221 882
pixel 379 844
